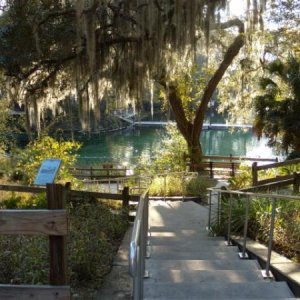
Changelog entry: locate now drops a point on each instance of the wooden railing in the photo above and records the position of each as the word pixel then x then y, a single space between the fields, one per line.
pixel 229 164
pixel 237 158
pixel 98 173
pixel 52 222
pixel 293 178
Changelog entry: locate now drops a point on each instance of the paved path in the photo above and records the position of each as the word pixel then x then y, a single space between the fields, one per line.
pixel 187 264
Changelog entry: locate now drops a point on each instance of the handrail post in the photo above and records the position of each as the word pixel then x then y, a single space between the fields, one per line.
pixel 165 186
pixel 219 209
pixel 209 211
pixel 266 273
pixel 183 188
pixel 229 221
pixel 243 254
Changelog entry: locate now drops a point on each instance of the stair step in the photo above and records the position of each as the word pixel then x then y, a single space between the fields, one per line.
pixel 183 240
pixel 160 252
pixel 218 298
pixel 189 264
pixel 191 248
pixel 182 231
pixel 217 290
pixel 202 276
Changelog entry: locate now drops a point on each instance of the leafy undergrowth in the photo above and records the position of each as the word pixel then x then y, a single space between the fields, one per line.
pixel 176 186
pixel 95 234
pixel 287 223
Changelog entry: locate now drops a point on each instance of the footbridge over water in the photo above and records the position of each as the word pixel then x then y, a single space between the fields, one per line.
pixel 129 117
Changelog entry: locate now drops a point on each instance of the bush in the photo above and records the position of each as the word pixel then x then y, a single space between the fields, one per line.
pixel 46 147
pixel 198 186
pixel 174 185
pixel 287 223
pixel 95 233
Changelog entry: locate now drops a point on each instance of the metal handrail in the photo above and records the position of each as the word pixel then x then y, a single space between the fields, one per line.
pixel 249 195
pixel 138 247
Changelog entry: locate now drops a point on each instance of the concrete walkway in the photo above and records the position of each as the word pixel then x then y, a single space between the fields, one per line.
pixel 187 264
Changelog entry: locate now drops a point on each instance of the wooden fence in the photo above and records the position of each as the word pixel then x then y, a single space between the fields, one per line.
pixel 282 180
pixel 54 223
pixel 98 173
pixel 228 164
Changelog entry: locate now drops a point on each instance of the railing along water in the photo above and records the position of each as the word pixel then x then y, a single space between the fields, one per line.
pixel 248 197
pixel 138 247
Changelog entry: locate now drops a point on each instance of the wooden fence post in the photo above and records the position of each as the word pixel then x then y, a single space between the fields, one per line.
pixel 296 183
pixel 125 197
pixel 254 173
pixel 57 244
pixel 211 169
pixel 91 173
pixel 232 169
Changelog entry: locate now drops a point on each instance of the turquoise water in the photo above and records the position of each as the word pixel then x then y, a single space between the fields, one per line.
pixel 126 147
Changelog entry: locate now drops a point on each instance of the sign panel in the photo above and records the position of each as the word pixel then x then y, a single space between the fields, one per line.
pixel 47 171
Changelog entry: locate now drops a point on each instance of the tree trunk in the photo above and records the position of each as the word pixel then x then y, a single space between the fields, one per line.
pixel 191 131
pixel 195 153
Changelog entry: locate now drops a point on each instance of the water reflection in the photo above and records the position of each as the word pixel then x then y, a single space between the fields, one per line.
pixel 128 146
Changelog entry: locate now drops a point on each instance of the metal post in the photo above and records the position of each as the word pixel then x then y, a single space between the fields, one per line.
pixel 266 273
pixel 243 254
pixel 165 187
pixel 229 221
pixel 218 209
pixel 183 189
pixel 209 210
pixel 137 278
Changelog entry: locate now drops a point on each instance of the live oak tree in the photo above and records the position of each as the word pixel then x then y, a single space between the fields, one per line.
pixel 84 50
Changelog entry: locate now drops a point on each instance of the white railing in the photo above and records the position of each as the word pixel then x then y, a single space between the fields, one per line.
pixel 247 197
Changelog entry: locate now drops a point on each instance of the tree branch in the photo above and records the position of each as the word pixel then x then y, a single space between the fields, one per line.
pixel 230 54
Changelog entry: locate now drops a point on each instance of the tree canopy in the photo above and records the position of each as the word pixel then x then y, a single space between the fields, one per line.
pixel 88 49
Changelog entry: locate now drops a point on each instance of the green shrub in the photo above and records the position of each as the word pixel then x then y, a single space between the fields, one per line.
pixel 12 202
pixel 47 147
pixel 287 222
pixel 95 233
pixel 166 186
pixel 175 185
pixel 198 186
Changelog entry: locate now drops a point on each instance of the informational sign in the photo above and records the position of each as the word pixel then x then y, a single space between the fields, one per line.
pixel 47 171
